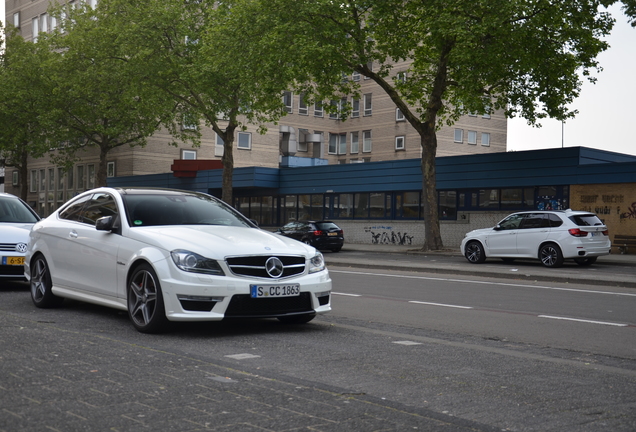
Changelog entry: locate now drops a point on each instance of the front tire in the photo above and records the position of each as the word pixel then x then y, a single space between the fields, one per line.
pixel 41 285
pixel 585 261
pixel 475 253
pixel 551 255
pixel 145 301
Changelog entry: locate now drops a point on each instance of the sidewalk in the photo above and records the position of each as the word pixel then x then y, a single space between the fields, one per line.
pixel 610 270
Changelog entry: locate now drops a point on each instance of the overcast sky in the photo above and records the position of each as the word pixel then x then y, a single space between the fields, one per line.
pixel 606 109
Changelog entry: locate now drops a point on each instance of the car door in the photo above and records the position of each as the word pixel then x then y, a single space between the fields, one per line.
pixel 534 228
pixel 502 241
pixel 91 254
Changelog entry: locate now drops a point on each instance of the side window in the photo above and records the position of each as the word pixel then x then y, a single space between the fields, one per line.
pixel 73 211
pixel 555 221
pixel 511 222
pixel 535 220
pixel 99 206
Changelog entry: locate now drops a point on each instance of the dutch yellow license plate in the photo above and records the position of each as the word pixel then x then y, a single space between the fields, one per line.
pixel 12 260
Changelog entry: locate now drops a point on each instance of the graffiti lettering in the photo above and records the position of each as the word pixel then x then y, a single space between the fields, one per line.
pixel 612 199
pixel 394 238
pixel 588 198
pixel 630 213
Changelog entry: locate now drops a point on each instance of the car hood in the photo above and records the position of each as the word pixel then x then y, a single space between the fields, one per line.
pixel 15 232
pixel 480 231
pixel 218 242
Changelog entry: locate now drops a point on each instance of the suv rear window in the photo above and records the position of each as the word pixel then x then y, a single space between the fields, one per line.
pixel 586 220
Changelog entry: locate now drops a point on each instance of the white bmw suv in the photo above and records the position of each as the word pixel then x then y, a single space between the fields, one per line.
pixel 550 236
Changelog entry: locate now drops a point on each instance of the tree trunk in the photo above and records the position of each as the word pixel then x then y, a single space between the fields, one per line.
pixel 228 163
pixel 23 170
pixel 100 180
pixel 433 236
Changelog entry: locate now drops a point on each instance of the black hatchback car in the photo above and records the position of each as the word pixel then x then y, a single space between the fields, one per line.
pixel 319 234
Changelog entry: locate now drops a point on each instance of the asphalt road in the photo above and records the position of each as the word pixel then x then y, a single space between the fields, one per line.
pixel 416 350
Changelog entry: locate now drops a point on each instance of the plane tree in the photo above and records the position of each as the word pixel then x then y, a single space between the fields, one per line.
pixel 526 57
pixel 23 97
pixel 208 58
pixel 93 102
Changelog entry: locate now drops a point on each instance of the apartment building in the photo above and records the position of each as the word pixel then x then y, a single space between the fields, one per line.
pixel 374 131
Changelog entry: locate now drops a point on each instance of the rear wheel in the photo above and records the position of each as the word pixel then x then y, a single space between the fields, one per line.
pixel 145 301
pixel 41 285
pixel 585 261
pixel 551 255
pixel 475 252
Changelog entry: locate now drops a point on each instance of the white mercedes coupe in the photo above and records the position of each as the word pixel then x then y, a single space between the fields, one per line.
pixel 169 255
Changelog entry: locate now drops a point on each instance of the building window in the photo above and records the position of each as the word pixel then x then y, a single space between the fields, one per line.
pixel 356 76
pixel 399 116
pixel 399 143
pixel 219 146
pixel 36 28
pixel 15 177
pixel 53 22
pixel 368 105
pixel 370 67
pixel 33 186
pixel 288 101
pixel 81 185
pixel 485 139
pixel 44 23
pixel 16 20
pixel 342 107
pixel 401 77
pixel 472 137
pixel 459 135
pixel 337 143
pixel 355 107
pixel 244 140
pixel 302 105
pixel 355 144
pixel 60 179
pixel 318 109
pixel 333 112
pixel 366 141
pixel 110 168
pixel 42 180
pixel 188 155
pixel 91 176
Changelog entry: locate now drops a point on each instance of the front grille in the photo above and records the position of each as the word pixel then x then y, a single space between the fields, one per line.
pixel 244 306
pixel 7 247
pixel 254 266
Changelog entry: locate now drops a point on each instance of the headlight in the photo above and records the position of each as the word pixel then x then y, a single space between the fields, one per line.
pixel 195 263
pixel 317 263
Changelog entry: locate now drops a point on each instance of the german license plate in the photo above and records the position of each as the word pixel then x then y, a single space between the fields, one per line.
pixel 267 291
pixel 332 234
pixel 12 260
pixel 594 234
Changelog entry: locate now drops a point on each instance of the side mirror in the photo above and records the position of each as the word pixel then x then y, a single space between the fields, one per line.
pixel 497 227
pixel 105 223
pixel 255 222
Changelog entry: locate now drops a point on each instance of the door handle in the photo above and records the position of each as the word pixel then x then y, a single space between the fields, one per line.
pixel 73 234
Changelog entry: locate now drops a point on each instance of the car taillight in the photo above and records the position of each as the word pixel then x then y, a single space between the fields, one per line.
pixel 576 232
pixel 606 232
pixel 317 233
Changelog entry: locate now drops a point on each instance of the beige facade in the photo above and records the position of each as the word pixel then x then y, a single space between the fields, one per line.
pixel 615 204
pixel 380 132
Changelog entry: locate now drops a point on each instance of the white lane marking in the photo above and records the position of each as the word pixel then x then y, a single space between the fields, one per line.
pixel 242 356
pixel 486 283
pixel 345 294
pixel 440 304
pixel 583 321
pixel 407 343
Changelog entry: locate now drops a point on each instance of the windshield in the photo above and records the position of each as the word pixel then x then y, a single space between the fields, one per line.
pixel 12 210
pixel 180 209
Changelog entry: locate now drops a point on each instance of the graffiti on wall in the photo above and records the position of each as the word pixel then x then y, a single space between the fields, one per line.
pixel 608 205
pixel 386 235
